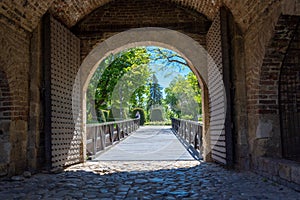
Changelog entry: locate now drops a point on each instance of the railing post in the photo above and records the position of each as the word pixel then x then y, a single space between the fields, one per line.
pixel 188 130
pixel 94 140
pixel 98 133
pixel 118 132
pixel 102 138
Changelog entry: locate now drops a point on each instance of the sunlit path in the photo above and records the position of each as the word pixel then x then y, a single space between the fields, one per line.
pixel 148 143
pixel 130 180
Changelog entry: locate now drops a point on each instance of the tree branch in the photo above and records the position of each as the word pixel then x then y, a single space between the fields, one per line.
pixel 169 58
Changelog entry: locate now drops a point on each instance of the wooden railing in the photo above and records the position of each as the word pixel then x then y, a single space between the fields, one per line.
pixel 189 131
pixel 101 135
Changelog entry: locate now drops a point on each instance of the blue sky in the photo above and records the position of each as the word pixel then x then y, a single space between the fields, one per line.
pixel 170 70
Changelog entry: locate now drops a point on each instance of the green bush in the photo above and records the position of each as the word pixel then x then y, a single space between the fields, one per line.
pixel 156 114
pixel 159 123
pixel 188 117
pixel 142 114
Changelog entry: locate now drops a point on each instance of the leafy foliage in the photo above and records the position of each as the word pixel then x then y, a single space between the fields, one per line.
pixel 124 84
pixel 184 97
pixel 110 71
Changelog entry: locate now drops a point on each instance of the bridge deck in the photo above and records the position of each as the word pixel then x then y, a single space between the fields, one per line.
pixel 148 143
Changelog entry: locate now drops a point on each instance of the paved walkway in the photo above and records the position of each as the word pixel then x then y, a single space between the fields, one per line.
pixel 145 180
pixel 148 143
pixel 165 170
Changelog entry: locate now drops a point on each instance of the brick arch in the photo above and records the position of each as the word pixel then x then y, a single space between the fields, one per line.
pixel 190 50
pixel 272 63
pixel 118 16
pixel 27 14
pixel 258 38
pixel 263 95
pixel 65 10
pixel 14 57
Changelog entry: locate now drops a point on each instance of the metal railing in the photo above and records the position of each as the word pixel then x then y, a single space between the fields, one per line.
pixel 189 131
pixel 101 135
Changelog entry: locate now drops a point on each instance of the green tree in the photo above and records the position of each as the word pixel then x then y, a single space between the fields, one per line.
pixel 129 86
pixel 183 97
pixel 107 75
pixel 155 95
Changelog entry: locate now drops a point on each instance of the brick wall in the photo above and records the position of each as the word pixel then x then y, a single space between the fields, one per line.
pixel 5 100
pixel 26 14
pixel 5 114
pixel 275 52
pixel 122 15
pixel 70 13
pixel 14 56
pixel 289 95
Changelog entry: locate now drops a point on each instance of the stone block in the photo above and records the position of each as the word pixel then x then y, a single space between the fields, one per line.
pixel 5 152
pixel 295 174
pixel 273 167
pixel 284 171
pixel 3 169
pixel 264 129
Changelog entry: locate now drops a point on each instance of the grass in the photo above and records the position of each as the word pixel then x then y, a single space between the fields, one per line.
pixel 156 123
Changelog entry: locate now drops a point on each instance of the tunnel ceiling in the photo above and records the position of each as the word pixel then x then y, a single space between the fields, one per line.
pixel 121 15
pixel 27 13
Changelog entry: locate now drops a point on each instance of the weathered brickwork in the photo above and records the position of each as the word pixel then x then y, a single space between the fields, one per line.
pixel 289 97
pixel 270 70
pixel 262 127
pixel 5 98
pixel 5 108
pixel 25 14
pixel 264 34
pixel 14 56
pixel 119 16
pixel 64 9
pixel 266 44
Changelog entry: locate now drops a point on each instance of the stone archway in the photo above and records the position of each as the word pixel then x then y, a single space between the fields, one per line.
pixel 195 55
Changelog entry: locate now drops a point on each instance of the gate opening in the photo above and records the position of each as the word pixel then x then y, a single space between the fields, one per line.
pixel 145 85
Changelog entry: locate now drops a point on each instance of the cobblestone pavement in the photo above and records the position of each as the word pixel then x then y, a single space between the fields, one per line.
pixel 144 180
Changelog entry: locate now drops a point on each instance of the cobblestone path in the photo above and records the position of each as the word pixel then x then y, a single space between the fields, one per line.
pixel 145 180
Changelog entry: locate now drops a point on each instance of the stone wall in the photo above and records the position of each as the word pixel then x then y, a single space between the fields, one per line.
pixel 282 171
pixel 15 65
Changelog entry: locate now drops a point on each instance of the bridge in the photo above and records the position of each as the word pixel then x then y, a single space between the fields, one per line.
pixel 149 162
pixel 127 141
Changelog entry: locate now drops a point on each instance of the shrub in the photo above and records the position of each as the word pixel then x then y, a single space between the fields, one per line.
pixel 142 114
pixel 159 123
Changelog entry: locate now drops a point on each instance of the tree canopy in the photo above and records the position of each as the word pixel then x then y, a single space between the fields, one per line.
pixel 183 96
pixel 109 73
pixel 125 81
